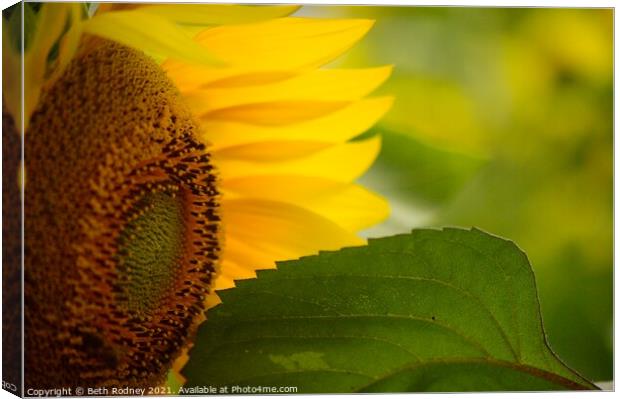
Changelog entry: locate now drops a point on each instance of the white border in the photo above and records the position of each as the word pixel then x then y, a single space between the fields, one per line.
pixel 475 3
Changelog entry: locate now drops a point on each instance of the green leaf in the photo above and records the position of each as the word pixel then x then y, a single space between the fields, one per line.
pixel 449 310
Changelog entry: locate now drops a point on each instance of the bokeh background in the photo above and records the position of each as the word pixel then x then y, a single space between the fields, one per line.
pixel 503 120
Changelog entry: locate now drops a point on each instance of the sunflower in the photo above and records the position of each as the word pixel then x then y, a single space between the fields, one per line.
pixel 171 150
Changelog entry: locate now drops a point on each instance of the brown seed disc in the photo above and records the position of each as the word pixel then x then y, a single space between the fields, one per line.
pixel 122 226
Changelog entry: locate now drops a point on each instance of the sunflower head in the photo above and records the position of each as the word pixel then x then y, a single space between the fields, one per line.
pixel 122 240
pixel 171 150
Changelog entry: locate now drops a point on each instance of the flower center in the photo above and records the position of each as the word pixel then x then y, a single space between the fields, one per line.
pixel 122 225
pixel 150 248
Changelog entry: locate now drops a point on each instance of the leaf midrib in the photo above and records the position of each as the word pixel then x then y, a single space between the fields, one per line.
pixel 451 329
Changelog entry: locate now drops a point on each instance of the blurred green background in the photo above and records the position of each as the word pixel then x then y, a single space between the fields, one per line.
pixel 503 120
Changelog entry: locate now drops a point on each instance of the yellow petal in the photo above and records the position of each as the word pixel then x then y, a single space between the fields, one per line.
pixel 213 299
pixel 286 43
pixel 317 85
pixel 270 151
pixel 260 232
pixel 11 71
pixel 187 76
pixel 269 51
pixel 272 114
pixel 344 162
pixel 70 41
pixel 349 205
pixel 150 33
pixel 231 272
pixel 222 282
pixel 107 7
pixel 217 14
pixel 50 23
pixel 277 45
pixel 336 127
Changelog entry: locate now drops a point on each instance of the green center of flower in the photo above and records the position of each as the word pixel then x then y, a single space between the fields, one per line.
pixel 150 251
